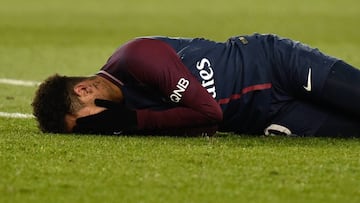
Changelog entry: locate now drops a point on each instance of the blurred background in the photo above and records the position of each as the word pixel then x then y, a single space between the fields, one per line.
pixel 75 37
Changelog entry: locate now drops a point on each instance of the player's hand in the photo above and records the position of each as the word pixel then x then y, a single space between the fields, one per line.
pixel 115 119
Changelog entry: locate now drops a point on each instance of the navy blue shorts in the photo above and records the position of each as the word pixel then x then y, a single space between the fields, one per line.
pixel 298 75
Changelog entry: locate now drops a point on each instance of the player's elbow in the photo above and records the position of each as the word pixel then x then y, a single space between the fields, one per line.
pixel 216 115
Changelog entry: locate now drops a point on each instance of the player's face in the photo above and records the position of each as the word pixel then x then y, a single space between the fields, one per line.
pixel 97 88
pixel 89 90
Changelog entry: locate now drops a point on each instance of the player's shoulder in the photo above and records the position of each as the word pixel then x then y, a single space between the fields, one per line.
pixel 148 44
pixel 172 41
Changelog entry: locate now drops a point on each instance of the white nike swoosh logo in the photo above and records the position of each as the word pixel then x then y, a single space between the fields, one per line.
pixel 308 86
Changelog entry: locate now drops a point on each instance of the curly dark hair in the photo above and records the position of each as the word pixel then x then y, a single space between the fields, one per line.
pixel 54 99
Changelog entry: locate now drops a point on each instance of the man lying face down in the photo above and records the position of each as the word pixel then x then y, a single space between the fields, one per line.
pixel 251 84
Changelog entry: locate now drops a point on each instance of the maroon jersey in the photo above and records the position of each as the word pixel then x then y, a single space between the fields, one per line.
pixel 156 84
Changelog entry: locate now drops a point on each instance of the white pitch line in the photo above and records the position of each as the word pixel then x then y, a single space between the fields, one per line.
pixel 15 115
pixel 8 81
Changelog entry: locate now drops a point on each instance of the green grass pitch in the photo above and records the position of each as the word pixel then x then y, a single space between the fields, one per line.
pixel 75 37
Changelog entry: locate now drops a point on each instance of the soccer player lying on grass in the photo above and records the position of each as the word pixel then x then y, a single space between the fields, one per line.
pixel 251 84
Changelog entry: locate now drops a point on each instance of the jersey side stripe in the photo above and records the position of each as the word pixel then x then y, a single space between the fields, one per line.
pixel 244 91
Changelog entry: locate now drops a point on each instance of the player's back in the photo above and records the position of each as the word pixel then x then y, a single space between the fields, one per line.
pixel 234 73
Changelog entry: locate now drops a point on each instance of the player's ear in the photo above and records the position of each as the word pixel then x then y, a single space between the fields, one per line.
pixel 82 89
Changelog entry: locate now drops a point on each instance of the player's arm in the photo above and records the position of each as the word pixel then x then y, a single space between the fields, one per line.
pixel 156 64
